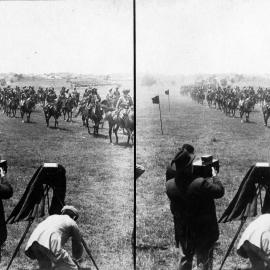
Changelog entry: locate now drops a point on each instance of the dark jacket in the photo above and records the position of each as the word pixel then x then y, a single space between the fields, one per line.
pixel 202 210
pixel 194 208
pixel 6 192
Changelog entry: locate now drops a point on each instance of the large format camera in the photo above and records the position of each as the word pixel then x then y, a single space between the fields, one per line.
pixel 50 169
pixel 203 166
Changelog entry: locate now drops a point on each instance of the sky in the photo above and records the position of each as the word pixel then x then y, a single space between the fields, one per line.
pixel 173 36
pixel 210 36
pixel 88 36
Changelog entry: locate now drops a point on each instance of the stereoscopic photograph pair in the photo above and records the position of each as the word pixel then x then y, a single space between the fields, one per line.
pixel 134 135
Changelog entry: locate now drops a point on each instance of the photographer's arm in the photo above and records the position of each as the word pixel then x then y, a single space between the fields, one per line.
pixel 213 188
pixel 77 247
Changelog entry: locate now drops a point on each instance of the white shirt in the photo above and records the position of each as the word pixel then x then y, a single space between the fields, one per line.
pixel 54 232
pixel 258 234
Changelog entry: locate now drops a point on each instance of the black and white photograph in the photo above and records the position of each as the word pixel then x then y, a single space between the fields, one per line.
pixel 67 135
pixel 202 134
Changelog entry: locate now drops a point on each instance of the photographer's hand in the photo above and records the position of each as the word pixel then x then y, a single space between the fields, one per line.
pixel 214 172
pixel 2 175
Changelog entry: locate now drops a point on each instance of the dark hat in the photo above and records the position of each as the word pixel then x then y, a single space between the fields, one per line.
pixel 139 170
pixel 70 210
pixel 126 91
pixel 188 147
pixel 183 159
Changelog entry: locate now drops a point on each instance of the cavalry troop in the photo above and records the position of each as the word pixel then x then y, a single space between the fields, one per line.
pixel 230 99
pixel 117 109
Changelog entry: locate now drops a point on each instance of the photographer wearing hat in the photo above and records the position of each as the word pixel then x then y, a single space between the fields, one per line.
pixel 6 192
pixel 194 211
pixel 47 240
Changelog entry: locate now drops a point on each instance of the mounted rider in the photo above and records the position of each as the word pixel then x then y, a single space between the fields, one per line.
pixel 62 92
pixel 94 101
pixel 116 94
pixel 266 97
pixel 86 97
pixel 109 95
pixel 76 96
pixel 51 97
pixel 124 104
pixel 114 97
pixel 87 92
pixel 85 101
pixel 25 96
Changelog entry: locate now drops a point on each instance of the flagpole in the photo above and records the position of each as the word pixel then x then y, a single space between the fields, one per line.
pixel 160 118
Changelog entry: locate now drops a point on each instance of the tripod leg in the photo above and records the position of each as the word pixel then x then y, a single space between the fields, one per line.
pixel 20 243
pixel 88 252
pixel 232 243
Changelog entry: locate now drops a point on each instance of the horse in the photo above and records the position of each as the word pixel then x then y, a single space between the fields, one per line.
pixel 266 112
pixel 84 112
pixel 12 106
pixel 76 97
pixel 115 122
pixel 210 98
pixel 27 108
pixel 245 107
pixel 94 114
pixel 68 105
pixel 53 110
pixel 41 96
pixel 231 106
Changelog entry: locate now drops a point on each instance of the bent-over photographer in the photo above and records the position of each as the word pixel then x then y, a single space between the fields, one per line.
pixel 194 212
pixel 6 192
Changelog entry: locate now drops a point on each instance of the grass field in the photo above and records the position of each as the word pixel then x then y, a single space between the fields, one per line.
pixel 237 145
pixel 99 184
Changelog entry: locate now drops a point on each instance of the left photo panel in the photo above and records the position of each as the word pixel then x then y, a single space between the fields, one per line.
pixel 67 135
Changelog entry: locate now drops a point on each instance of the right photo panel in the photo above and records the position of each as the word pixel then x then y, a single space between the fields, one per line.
pixel 202 135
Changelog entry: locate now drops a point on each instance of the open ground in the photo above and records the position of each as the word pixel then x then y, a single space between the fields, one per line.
pixel 237 145
pixel 99 183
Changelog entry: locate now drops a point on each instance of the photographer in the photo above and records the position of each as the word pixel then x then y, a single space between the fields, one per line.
pixel 194 212
pixel 46 243
pixel 6 192
pixel 254 244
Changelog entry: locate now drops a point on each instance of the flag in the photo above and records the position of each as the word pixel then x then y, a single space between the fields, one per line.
pixel 167 92
pixel 155 100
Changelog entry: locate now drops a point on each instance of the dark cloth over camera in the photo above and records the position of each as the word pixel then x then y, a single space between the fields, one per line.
pixel 244 203
pixel 34 195
pixel 6 192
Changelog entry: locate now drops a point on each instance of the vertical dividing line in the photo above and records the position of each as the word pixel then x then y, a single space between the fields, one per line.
pixel 134 91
